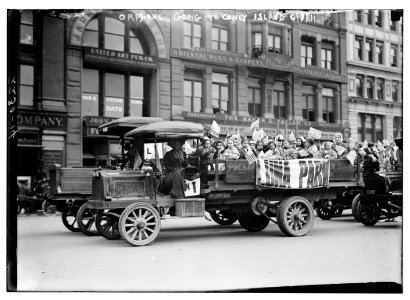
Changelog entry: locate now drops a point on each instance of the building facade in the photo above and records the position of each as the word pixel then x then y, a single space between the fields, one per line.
pixel 77 71
pixel 375 72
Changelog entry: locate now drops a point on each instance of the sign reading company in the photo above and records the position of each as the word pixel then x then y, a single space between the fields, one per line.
pixel 43 120
pixel 117 57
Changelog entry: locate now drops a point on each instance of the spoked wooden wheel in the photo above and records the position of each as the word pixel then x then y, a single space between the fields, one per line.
pixel 369 212
pixel 139 224
pixel 295 216
pixel 323 211
pixel 338 211
pixel 107 224
pixel 223 217
pixel 86 221
pixel 70 221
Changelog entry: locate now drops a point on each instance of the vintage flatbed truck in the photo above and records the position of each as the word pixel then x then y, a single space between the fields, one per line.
pixel 133 205
pixel 71 188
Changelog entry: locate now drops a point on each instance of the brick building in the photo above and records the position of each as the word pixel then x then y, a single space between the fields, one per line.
pixel 78 71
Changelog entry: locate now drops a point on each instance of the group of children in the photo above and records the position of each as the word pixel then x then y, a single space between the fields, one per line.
pixel 234 147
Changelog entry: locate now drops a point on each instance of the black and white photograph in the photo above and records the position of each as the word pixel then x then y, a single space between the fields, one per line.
pixel 204 150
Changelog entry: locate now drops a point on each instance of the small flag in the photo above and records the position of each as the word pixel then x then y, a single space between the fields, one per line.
pixel 250 156
pixel 291 137
pixel 255 125
pixel 255 135
pixel 340 150
pixel 351 156
pixel 226 140
pixel 303 153
pixel 379 145
pixel 137 160
pixel 261 134
pixel 365 144
pixel 215 129
pixel 314 133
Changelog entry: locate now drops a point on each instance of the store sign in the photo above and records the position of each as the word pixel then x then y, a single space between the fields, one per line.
pixel 262 121
pixel 275 61
pixel 98 55
pixel 42 120
pixel 97 121
pixel 28 139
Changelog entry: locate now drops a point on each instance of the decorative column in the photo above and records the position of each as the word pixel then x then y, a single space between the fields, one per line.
pixel 207 103
pixel 319 103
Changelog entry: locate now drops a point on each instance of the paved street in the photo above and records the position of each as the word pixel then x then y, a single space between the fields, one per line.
pixel 198 255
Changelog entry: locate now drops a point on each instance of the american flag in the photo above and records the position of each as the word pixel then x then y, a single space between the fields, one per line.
pixel 255 125
pixel 250 156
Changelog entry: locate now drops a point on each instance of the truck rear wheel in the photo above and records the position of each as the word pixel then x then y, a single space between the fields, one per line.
pixel 295 216
pixel 107 224
pixel 369 212
pixel 86 221
pixel 139 224
pixel 70 221
pixel 252 222
pixel 223 217
pixel 355 213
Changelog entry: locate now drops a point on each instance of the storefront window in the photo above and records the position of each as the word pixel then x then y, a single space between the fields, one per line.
pixel 114 95
pixel 220 93
pixel 370 127
pixel 90 97
pixel 26 85
pixel 136 96
pixel 274 43
pixel 328 98
pixel 26 28
pixel 254 101
pixel 192 95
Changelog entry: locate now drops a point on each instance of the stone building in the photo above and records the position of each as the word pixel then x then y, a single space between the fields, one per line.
pixel 375 72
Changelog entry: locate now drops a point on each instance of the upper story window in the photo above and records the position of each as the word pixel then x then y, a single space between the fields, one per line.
pixel 26 28
pixel 393 55
pixel 358 46
pixel 380 89
pixel 306 51
pixel 393 25
pixel 275 36
pixel 308 102
pixel 26 85
pixel 328 105
pixel 378 18
pixel 327 56
pixel 359 86
pixel 192 35
pixel 367 17
pixel 369 87
pixel 256 44
pixel 379 52
pixel 220 93
pixel 254 97
pixel 113 34
pixel 369 51
pixel 357 15
pixel 279 100
pixel 220 35
pixel 395 91
pixel 192 91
